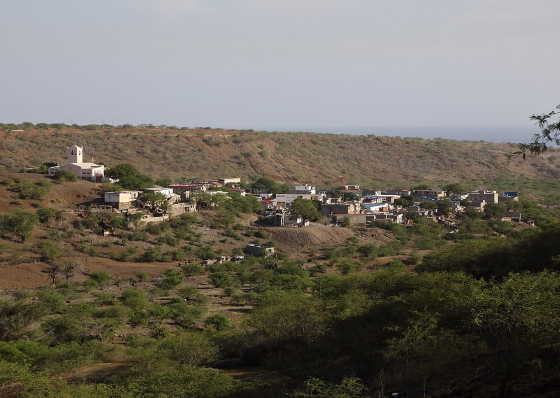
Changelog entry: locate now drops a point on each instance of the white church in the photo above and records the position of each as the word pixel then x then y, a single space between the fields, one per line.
pixel 84 171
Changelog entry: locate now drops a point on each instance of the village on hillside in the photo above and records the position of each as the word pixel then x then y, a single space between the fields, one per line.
pixel 346 204
pixel 132 260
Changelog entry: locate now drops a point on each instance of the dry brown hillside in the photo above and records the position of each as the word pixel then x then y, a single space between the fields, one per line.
pixel 322 159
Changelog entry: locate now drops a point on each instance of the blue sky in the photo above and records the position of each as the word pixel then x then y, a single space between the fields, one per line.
pixel 290 64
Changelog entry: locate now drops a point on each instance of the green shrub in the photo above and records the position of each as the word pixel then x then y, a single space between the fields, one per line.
pixel 261 234
pixel 142 276
pixel 220 279
pixel 170 279
pixel 151 255
pixel 218 321
pixel 65 175
pixel 191 348
pixel 348 266
pixel 100 278
pixel 47 214
pixel 135 300
pixel 192 295
pixel 192 270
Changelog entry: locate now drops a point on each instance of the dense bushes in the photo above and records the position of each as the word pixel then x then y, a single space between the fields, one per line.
pixel 423 332
pixel 65 175
pixel 533 250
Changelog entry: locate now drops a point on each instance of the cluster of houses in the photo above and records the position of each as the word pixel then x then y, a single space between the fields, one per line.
pixel 379 205
pixel 178 196
pixel 366 205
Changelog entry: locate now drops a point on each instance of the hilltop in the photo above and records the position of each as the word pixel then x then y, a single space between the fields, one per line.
pixel 321 159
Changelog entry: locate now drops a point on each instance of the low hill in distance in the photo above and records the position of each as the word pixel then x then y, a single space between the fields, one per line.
pixel 318 159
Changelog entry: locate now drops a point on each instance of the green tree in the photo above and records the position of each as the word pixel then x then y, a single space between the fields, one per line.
pixel 164 182
pixel 444 206
pixel 519 319
pixel 455 188
pixel 67 268
pixel 268 185
pixel 405 201
pixel 349 196
pixel 22 222
pixel 5 226
pixel 306 209
pixel 129 177
pixel 550 132
pixel 427 204
pixel 53 270
pixel 122 170
pixel 494 210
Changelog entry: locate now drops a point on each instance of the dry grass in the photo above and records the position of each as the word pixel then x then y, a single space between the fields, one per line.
pixel 298 157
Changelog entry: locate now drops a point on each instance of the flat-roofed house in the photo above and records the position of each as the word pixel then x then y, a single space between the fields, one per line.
pixel 121 200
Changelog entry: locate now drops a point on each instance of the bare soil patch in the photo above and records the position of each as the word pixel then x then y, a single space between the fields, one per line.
pixel 314 239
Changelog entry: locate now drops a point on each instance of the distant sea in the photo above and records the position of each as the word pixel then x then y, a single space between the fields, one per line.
pixel 514 134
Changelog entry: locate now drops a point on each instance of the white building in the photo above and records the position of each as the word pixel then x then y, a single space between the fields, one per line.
pixel 168 192
pixel 286 199
pixel 83 170
pixel 303 189
pixel 224 181
pixel 488 196
pixel 380 198
pixel 377 207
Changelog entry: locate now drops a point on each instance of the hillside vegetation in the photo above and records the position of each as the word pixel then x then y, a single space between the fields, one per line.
pixel 468 308
pixel 319 159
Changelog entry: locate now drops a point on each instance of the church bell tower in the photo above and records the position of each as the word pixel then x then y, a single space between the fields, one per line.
pixel 74 154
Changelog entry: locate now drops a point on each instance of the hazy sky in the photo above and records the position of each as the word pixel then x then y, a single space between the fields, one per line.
pixel 296 64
